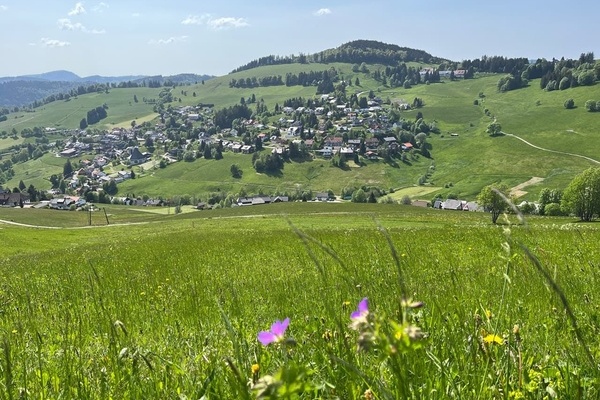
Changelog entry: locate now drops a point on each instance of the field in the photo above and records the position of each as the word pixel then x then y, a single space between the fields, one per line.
pixel 170 306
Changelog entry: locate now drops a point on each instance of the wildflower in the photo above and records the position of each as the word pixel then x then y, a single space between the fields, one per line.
pixel 345 304
pixel 491 338
pixel 275 334
pixel 255 368
pixel 360 316
pixel 368 395
pixel 327 335
pixel 362 310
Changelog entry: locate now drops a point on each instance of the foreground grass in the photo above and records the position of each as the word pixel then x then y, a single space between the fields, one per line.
pixel 172 307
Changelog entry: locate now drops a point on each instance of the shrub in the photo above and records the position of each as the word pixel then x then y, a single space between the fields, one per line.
pixel 569 104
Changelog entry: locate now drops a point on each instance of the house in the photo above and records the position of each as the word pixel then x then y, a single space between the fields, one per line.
pixel 201 206
pixel 61 203
pixel 72 152
pixel 136 157
pixel 247 149
pixel 322 196
pixel 407 146
pixel 8 199
pixel 452 204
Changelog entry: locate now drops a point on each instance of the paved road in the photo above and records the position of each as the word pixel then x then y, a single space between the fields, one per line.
pixel 552 151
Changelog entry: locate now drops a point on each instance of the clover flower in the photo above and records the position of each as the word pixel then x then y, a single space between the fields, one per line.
pixel 275 335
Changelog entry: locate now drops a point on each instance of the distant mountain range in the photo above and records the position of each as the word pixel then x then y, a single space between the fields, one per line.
pixel 25 89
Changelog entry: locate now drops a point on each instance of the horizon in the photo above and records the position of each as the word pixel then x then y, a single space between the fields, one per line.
pixel 79 37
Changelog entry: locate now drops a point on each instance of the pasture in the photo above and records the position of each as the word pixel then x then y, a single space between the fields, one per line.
pixel 170 306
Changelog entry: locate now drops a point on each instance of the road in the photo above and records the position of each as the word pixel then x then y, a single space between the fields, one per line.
pixel 552 151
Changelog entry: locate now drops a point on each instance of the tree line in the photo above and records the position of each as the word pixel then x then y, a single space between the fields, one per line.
pixel 358 51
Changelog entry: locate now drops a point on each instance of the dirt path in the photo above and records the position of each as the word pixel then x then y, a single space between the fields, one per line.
pixel 518 191
pixel 552 151
pixel 4 221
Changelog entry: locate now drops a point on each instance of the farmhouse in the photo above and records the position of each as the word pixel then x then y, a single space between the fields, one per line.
pixel 8 199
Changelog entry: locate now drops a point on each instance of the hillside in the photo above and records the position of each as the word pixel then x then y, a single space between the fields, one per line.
pixel 542 139
pixel 26 89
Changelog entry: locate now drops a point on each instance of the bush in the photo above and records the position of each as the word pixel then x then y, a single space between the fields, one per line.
pixel 553 210
pixel 569 104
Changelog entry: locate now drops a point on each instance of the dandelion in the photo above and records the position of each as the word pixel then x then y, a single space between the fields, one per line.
pixel 491 338
pixel 275 335
pixel 255 368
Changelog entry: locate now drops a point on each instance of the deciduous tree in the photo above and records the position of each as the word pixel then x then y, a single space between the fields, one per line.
pixel 582 196
pixel 491 198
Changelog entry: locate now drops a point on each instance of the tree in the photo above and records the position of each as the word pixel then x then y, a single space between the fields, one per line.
pixel 110 188
pixel 22 186
pixel 68 169
pixel 494 129
pixel 491 198
pixel 590 105
pixel 83 124
pixel 359 196
pixel 569 104
pixel 236 171
pixel 582 196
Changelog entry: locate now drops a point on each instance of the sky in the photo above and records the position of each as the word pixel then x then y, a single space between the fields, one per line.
pixel 158 37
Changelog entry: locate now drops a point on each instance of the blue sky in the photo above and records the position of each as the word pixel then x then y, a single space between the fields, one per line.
pixel 150 37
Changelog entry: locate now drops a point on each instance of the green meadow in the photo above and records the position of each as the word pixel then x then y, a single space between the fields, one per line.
pixel 154 305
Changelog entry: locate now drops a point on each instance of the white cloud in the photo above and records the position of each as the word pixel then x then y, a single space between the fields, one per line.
pixel 136 15
pixel 322 11
pixel 66 24
pixel 195 19
pixel 215 23
pixel 227 22
pixel 78 9
pixel 54 43
pixel 100 7
pixel 169 40
pixel 3 7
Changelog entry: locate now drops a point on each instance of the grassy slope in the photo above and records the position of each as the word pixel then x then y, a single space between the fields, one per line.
pixel 468 161
pixel 68 114
pixel 204 176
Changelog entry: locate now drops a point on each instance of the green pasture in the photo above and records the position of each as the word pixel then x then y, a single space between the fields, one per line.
pixel 67 114
pixel 170 307
pixel 202 176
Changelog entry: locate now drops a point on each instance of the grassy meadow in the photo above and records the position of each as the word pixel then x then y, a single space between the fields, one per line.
pixel 170 306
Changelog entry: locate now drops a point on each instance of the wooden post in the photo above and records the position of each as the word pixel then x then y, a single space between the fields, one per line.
pixel 106 215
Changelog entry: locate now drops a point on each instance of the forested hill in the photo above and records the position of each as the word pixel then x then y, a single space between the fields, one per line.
pixel 355 52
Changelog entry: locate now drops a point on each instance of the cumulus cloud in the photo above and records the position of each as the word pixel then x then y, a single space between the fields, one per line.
pixel 54 43
pixel 66 24
pixel 169 40
pixel 322 11
pixel 215 23
pixel 78 9
pixel 227 22
pixel 195 19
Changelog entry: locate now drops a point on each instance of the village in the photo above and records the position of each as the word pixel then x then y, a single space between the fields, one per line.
pixel 325 129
